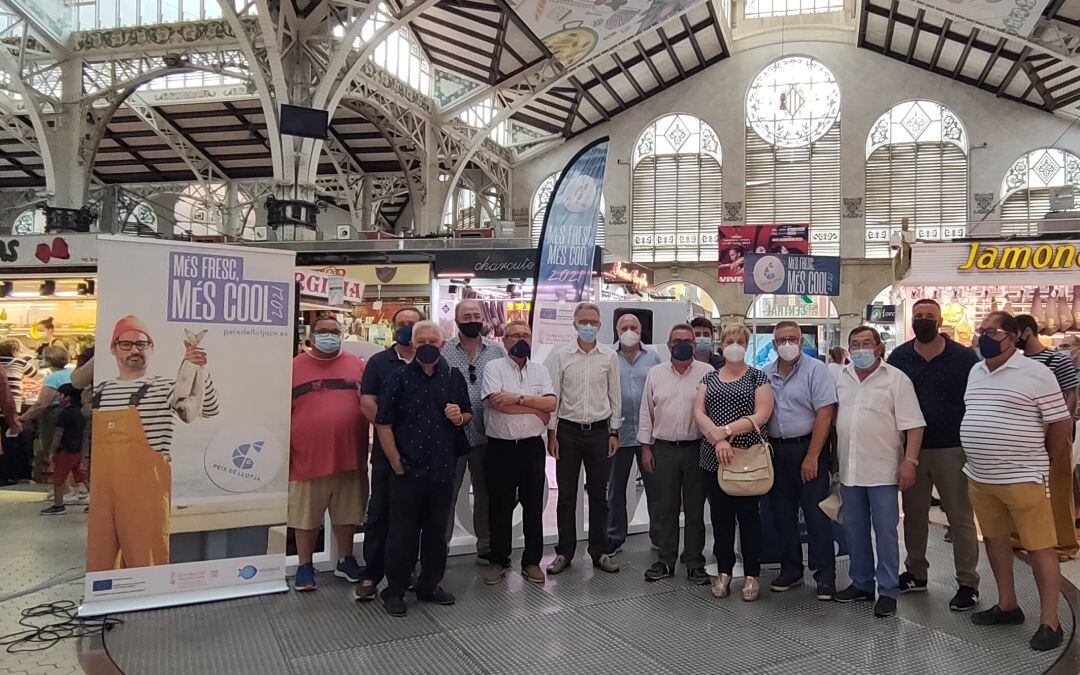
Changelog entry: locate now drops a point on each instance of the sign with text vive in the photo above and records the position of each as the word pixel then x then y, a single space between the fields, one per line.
pixel 738 240
pixel 192 396
pixel 791 274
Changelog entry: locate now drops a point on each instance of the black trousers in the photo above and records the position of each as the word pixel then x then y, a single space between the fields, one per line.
pixel 14 463
pixel 514 471
pixel 377 525
pixel 725 510
pixel 418 513
pixel 788 494
pixel 577 448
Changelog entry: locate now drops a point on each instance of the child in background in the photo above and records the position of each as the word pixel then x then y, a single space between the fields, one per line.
pixel 67 448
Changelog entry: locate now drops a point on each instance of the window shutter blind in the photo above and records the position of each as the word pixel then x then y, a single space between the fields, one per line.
pixel 793 186
pixel 676 208
pixel 538 223
pixel 1024 208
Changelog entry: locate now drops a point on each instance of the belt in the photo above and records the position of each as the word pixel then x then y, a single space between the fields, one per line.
pixel 793 439
pixel 588 426
pixel 516 441
pixel 680 444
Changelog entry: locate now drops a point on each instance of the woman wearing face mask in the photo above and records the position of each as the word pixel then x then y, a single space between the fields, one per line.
pixel 727 400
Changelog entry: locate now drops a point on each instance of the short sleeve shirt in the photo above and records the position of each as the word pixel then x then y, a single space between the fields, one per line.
pixel 939 383
pixel 807 388
pixel 329 432
pixel 1061 365
pixel 57 379
pixel 727 402
pixel 380 368
pixel 532 380
pixel 473 371
pixel 632 384
pixel 71 421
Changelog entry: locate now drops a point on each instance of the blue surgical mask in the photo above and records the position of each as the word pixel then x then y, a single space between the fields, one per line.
pixel 682 351
pixel 403 336
pixel 863 358
pixel 327 343
pixel 587 333
pixel 703 345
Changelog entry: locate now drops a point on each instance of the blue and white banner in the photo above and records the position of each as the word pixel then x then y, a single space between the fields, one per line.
pixel 791 274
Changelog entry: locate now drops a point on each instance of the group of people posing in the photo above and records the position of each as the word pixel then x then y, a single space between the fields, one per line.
pixel 992 435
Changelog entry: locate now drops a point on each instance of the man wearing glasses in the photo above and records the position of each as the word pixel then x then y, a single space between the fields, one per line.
pixel 133 431
pixel 470 353
pixel 519 398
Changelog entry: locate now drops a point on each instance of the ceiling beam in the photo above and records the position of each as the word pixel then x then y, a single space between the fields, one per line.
pixel 626 73
pixel 916 31
pixel 964 54
pixel 890 25
pixel 651 66
pixel 940 43
pixel 693 40
pixel 991 61
pixel 671 52
pixel 500 40
pixel 608 88
pixel 569 123
pixel 590 98
pixel 1036 81
pixel 1013 70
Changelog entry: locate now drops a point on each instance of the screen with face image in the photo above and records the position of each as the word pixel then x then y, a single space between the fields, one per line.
pixel 762 351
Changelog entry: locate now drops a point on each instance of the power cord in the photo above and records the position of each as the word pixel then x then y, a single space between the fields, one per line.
pixel 66 626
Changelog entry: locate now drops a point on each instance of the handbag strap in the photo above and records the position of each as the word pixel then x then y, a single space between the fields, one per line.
pixel 757 430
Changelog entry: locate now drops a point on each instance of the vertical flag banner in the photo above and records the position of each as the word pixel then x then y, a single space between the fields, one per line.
pixel 568 241
pixel 190 442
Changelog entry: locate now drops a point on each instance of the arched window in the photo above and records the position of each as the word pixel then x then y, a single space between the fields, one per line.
pixel 916 168
pixel 793 150
pixel 540 201
pixel 676 201
pixel 136 216
pixel 200 211
pixel 1029 183
pixel 466 211
pixel 30 221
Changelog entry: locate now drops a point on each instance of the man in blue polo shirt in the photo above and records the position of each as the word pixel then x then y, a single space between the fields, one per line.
pixel 422 411
pixel 380 368
pixel 805 402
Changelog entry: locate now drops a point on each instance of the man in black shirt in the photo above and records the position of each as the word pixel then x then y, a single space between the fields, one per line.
pixel 939 368
pixel 421 413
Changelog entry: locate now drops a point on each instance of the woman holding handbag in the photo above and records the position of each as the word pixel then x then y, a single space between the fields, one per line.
pixel 732 404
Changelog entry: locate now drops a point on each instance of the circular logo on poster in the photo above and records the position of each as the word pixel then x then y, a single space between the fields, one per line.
pixel 769 274
pixel 243 459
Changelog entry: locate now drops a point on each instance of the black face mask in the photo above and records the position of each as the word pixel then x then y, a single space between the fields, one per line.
pixel 925 329
pixel 521 350
pixel 470 329
pixel 403 336
pixel 427 354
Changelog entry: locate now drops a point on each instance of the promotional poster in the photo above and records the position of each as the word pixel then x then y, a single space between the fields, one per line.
pixel 738 241
pixel 792 275
pixel 189 459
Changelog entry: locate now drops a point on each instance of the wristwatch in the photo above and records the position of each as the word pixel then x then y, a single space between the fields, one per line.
pixel 521 399
pixel 913 461
pixel 613 434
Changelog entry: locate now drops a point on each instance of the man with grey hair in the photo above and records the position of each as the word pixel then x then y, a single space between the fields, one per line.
pixel 584 430
pixel 420 415
pixel 470 352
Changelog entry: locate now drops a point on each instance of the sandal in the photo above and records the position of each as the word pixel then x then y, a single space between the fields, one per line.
pixel 751 589
pixel 721 587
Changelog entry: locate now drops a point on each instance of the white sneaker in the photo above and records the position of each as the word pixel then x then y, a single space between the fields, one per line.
pixel 83 500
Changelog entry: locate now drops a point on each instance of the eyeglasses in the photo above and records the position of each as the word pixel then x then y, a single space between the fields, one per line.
pixel 992 333
pixel 519 336
pixel 789 341
pixel 128 345
pixel 472 374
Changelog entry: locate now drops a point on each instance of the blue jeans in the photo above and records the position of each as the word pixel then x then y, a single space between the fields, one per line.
pixel 877 505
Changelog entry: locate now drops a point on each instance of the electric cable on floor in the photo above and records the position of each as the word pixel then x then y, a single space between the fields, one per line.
pixel 66 627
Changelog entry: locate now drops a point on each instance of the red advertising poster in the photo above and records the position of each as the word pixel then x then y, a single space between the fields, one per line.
pixel 738 240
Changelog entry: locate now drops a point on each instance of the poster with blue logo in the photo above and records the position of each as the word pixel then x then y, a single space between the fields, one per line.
pixel 190 425
pixel 568 240
pixel 791 274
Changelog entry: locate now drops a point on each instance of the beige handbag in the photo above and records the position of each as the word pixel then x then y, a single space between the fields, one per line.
pixel 750 474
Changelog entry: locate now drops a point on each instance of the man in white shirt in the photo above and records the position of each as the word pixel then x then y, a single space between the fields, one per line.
pixel 879 429
pixel 519 399
pixel 670 442
pixel 1014 412
pixel 585 430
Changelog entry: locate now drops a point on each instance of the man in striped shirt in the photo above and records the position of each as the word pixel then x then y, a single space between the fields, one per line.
pixel 1061 475
pixel 1014 412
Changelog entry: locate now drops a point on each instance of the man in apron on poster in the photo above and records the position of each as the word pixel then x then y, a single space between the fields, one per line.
pixel 133 422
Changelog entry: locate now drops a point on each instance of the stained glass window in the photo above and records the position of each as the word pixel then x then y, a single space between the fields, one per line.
pixel 31 221
pixel 762 9
pixel 1029 185
pixel 793 102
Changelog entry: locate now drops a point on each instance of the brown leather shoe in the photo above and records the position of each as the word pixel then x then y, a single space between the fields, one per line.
pixel 558 565
pixel 493 574
pixel 534 574
pixel 365 591
pixel 605 564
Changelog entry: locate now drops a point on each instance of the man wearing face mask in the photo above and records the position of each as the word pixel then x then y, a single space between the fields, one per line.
pixel 805 403
pixel 938 369
pixel 421 411
pixel 585 430
pixel 635 361
pixel 380 368
pixel 328 451
pixel 520 399
pixel 670 441
pixel 1061 473
pixel 1014 416
pixel 704 347
pixel 471 353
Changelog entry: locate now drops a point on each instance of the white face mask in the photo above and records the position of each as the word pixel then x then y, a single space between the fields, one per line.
pixel 629 339
pixel 734 353
pixel 788 351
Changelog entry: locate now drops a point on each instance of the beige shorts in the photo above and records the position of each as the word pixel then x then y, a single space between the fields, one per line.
pixel 343 494
pixel 1023 508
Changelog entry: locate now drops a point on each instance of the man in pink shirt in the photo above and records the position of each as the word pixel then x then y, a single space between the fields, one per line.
pixel 328 461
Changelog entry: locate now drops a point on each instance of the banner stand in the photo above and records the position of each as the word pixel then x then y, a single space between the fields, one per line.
pixel 101 608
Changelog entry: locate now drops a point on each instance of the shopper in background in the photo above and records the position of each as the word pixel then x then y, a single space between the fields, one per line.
pixel 704 346
pixel 1014 416
pixel 47 407
pixel 837 360
pixel 1070 344
pixel 728 404
pixel 586 380
pixel 328 451
pixel 938 369
pixel 879 428
pixel 519 398
pixel 670 443
pixel 422 409
pixel 14 463
pixel 635 361
pixel 805 404
pixel 67 451
pixel 1061 462
pixel 470 353
pixel 380 368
